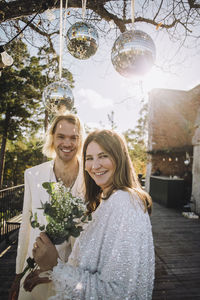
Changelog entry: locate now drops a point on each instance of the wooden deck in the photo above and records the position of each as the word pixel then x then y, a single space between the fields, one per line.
pixel 177 247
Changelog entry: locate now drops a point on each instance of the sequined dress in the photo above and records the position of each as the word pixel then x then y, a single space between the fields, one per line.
pixel 113 259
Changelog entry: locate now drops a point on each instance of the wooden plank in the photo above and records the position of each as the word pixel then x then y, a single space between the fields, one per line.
pixel 177 249
pixel 16 220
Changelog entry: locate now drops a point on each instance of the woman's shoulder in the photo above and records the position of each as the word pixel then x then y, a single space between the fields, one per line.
pixel 124 195
pixel 126 207
pixel 124 200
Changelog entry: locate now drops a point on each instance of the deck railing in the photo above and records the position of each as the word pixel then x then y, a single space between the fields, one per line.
pixel 11 204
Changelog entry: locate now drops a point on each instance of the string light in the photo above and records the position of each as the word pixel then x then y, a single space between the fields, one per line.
pixel 6 59
pixel 50 15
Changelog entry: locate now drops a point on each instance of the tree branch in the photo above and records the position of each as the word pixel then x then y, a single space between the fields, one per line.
pixel 192 4
pixel 18 9
pixel 21 8
pixel 43 33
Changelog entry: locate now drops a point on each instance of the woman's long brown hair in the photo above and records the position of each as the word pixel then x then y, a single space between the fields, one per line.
pixel 124 176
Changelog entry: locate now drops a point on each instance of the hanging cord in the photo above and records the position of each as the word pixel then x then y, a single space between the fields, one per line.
pixel 83 8
pixel 62 34
pixel 61 39
pixel 65 19
pixel 133 13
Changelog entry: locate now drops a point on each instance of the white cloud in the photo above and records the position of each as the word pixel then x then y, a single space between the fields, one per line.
pixel 92 99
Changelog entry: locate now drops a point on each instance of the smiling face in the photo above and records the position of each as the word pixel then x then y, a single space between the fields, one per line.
pixel 99 165
pixel 66 140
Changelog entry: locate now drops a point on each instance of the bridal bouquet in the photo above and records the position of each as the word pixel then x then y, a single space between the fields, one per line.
pixel 65 215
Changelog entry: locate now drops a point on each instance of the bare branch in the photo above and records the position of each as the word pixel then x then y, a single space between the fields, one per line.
pixel 43 33
pixel 21 8
pixel 173 15
pixel 192 4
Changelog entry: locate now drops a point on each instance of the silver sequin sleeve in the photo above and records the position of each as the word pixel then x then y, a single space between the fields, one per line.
pixel 113 259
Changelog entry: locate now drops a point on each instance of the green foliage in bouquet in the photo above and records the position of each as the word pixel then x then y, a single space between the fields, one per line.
pixel 65 213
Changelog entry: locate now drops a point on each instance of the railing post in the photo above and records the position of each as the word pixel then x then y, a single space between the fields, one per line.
pixel 11 204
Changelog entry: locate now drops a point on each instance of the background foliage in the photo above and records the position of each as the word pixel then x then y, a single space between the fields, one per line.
pixel 22 114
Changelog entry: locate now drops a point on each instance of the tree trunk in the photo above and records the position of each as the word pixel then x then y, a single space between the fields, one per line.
pixel 46 121
pixel 45 130
pixel 3 147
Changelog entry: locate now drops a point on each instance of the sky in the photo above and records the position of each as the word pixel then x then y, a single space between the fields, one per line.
pixel 99 89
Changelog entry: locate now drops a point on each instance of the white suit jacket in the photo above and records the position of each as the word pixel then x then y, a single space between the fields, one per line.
pixel 33 195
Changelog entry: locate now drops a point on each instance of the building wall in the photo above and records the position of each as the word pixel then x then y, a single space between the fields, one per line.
pixel 172 128
pixel 148 174
pixel 196 167
pixel 196 180
pixel 171 116
pixel 171 164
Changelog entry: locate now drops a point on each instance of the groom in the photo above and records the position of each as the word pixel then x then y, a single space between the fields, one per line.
pixel 63 142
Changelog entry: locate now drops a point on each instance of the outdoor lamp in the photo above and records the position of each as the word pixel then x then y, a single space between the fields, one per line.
pixel 187 160
pixel 5 58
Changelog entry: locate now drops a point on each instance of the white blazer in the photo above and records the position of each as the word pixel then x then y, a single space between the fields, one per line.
pixel 34 194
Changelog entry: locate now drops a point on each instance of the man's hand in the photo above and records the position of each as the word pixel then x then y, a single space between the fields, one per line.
pixel 14 290
pixel 33 279
pixel 45 253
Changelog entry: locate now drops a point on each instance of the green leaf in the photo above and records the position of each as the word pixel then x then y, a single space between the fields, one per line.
pixel 35 216
pixel 78 214
pixel 42 227
pixel 83 219
pixel 75 232
pixel 50 210
pixel 42 205
pixel 68 225
pixel 33 224
pixel 48 186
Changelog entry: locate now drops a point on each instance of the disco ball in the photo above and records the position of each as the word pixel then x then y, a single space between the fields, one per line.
pixel 82 40
pixel 133 53
pixel 58 97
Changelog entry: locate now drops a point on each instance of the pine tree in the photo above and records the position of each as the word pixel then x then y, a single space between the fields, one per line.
pixel 137 142
pixel 22 112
